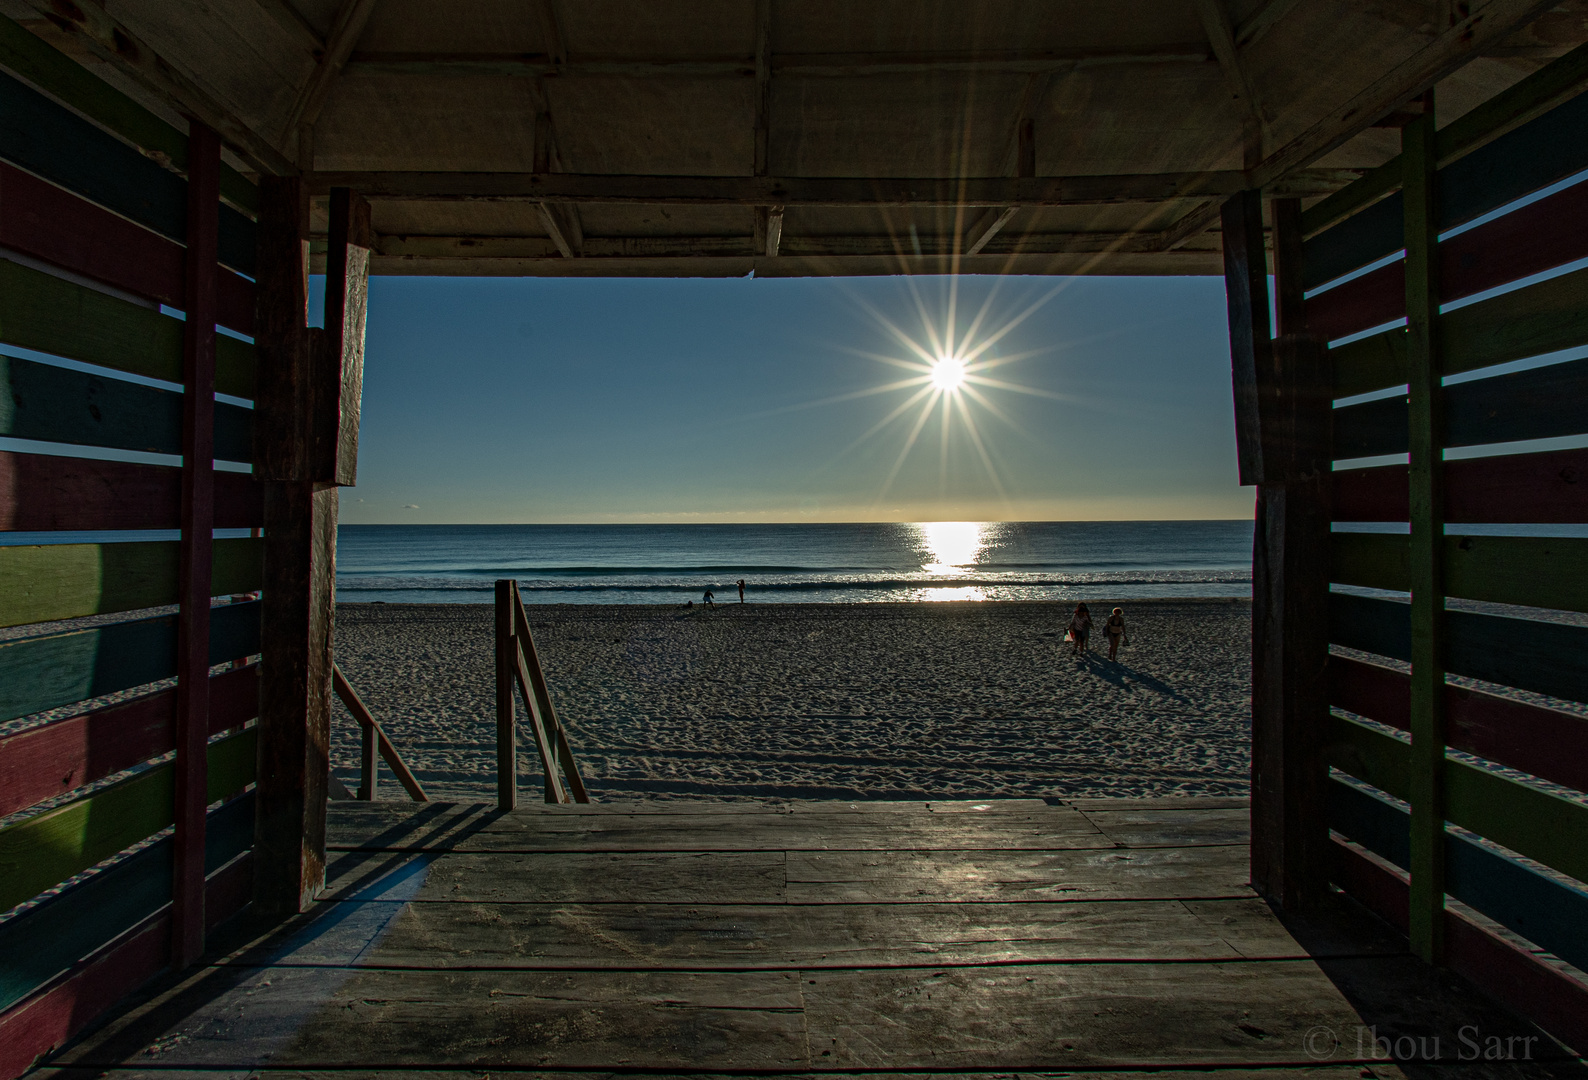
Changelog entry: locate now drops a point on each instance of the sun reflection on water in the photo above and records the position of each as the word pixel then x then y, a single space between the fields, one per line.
pixel 951 547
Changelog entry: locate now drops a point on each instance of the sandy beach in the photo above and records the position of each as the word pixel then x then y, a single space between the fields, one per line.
pixel 809 701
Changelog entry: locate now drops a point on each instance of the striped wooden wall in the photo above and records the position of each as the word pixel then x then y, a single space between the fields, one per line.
pixel 1458 666
pixel 127 744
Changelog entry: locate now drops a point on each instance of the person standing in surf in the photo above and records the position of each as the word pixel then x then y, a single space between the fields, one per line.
pixel 740 583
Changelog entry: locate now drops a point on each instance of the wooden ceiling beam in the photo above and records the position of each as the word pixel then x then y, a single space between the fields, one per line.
pixel 1467 39
pixel 668 247
pixel 796 191
pixel 348 26
pixel 290 19
pixel 1221 37
pixel 561 220
pixel 811 65
pixel 104 37
pixel 768 219
pixel 1261 21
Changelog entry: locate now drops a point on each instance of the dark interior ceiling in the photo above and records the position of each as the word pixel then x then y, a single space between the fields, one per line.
pixel 801 137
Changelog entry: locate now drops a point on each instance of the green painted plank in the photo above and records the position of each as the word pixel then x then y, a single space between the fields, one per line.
pixel 1533 571
pixel 58 74
pixel 1371 363
pixel 1539 92
pixel 40 583
pixel 53 403
pixel 51 315
pixel 47 939
pixel 1532 822
pixel 40 852
pixel 1541 318
pixel 1370 560
pixel 52 670
pixel 1369 754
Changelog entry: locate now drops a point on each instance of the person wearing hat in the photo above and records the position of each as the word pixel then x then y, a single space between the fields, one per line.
pixel 1115 629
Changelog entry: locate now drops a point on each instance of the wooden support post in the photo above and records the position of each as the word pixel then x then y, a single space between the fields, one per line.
pixel 1282 416
pixel 300 567
pixel 1291 299
pixel 201 272
pixel 1246 292
pixel 1290 641
pixel 339 364
pixel 1427 537
pixel 506 729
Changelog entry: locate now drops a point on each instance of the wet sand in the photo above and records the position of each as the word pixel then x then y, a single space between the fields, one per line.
pixel 801 701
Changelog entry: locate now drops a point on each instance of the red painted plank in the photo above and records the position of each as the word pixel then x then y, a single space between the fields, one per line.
pixel 55 758
pixel 50 223
pixel 43 493
pixel 1547 743
pixel 1544 489
pixel 1539 237
pixel 1376 885
pixel 48 1018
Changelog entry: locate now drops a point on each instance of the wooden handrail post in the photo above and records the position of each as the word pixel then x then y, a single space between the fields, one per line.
pixel 506 733
pixel 374 739
pixel 368 771
pixel 554 731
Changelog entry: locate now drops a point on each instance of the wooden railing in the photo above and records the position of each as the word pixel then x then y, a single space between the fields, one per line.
pixel 516 662
pixel 374 740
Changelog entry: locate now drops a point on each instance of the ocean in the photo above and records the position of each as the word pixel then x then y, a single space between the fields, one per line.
pixel 804 563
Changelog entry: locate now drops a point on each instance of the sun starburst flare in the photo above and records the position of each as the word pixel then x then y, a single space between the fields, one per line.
pixel 949 370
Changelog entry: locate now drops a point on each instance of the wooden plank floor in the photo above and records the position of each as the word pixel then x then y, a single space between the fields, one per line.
pixel 1112 936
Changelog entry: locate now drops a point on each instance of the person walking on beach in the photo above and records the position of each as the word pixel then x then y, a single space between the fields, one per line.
pixel 1080 627
pixel 1115 629
pixel 741 590
pixel 707 599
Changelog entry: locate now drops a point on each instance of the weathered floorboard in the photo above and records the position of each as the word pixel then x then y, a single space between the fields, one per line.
pixel 787 960
pixel 471 830
pixel 763 936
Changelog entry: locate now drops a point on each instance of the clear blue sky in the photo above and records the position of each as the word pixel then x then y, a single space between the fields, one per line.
pixel 548 400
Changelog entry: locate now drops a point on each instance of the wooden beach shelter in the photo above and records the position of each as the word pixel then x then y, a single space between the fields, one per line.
pixel 171 171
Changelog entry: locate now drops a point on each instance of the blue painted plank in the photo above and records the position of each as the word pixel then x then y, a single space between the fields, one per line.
pixel 1541 403
pixel 57 404
pixel 1381 827
pixel 46 940
pixel 1542 909
pixel 1544 657
pixel 53 142
pixel 1376 626
pixel 1371 428
pixel 1547 658
pixel 47 672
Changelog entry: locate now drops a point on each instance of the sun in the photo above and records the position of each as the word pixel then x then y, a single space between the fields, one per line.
pixel 948 373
